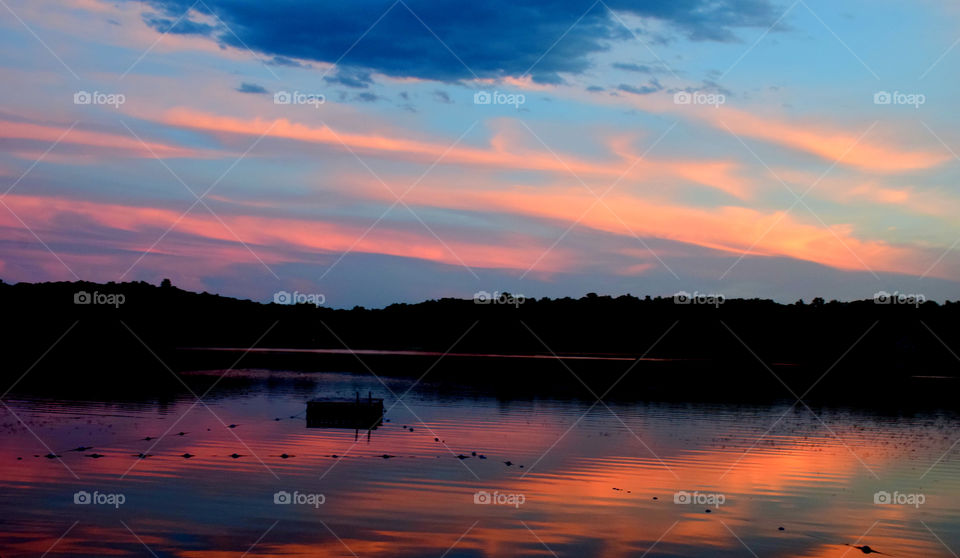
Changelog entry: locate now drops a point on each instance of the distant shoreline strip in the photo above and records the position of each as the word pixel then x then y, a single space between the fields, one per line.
pixel 430 353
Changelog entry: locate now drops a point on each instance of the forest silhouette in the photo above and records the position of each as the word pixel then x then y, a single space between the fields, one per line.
pixel 127 338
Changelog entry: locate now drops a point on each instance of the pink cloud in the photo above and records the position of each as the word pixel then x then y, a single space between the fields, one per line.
pixel 729 229
pixel 114 144
pixel 852 148
pixel 936 202
pixel 711 173
pixel 828 141
pixel 274 240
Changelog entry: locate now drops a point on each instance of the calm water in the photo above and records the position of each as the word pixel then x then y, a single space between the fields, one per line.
pixel 595 481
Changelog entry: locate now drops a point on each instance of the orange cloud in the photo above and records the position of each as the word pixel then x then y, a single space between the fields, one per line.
pixel 501 154
pixel 125 144
pixel 273 239
pixel 922 201
pixel 730 229
pixel 826 141
pixel 830 144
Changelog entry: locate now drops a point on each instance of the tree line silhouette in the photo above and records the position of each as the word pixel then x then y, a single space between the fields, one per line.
pixel 128 336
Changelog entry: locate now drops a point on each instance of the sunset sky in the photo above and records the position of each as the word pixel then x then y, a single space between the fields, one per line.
pixel 764 148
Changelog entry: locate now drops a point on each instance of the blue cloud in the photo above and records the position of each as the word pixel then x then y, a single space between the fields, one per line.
pixel 252 88
pixel 366 97
pixel 651 87
pixel 174 26
pixel 350 77
pixel 490 39
pixel 641 68
pixel 707 86
pixel 284 61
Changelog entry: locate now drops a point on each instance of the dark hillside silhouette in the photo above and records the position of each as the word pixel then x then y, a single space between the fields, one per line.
pixel 720 346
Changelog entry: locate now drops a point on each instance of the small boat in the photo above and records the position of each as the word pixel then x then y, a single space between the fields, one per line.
pixel 357 413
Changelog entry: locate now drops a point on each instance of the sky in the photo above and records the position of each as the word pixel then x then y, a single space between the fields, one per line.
pixel 400 150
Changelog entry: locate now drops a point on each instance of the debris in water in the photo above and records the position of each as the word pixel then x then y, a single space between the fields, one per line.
pixel 867 550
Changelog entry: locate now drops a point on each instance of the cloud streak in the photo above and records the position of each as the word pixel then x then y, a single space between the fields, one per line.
pixel 102 142
pixel 718 174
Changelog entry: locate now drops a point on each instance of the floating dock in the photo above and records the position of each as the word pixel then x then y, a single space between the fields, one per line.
pixel 356 413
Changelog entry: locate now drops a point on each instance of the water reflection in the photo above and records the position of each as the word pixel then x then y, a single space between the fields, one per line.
pixel 632 479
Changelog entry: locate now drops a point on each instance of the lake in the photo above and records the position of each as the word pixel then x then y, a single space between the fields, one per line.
pixel 623 479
